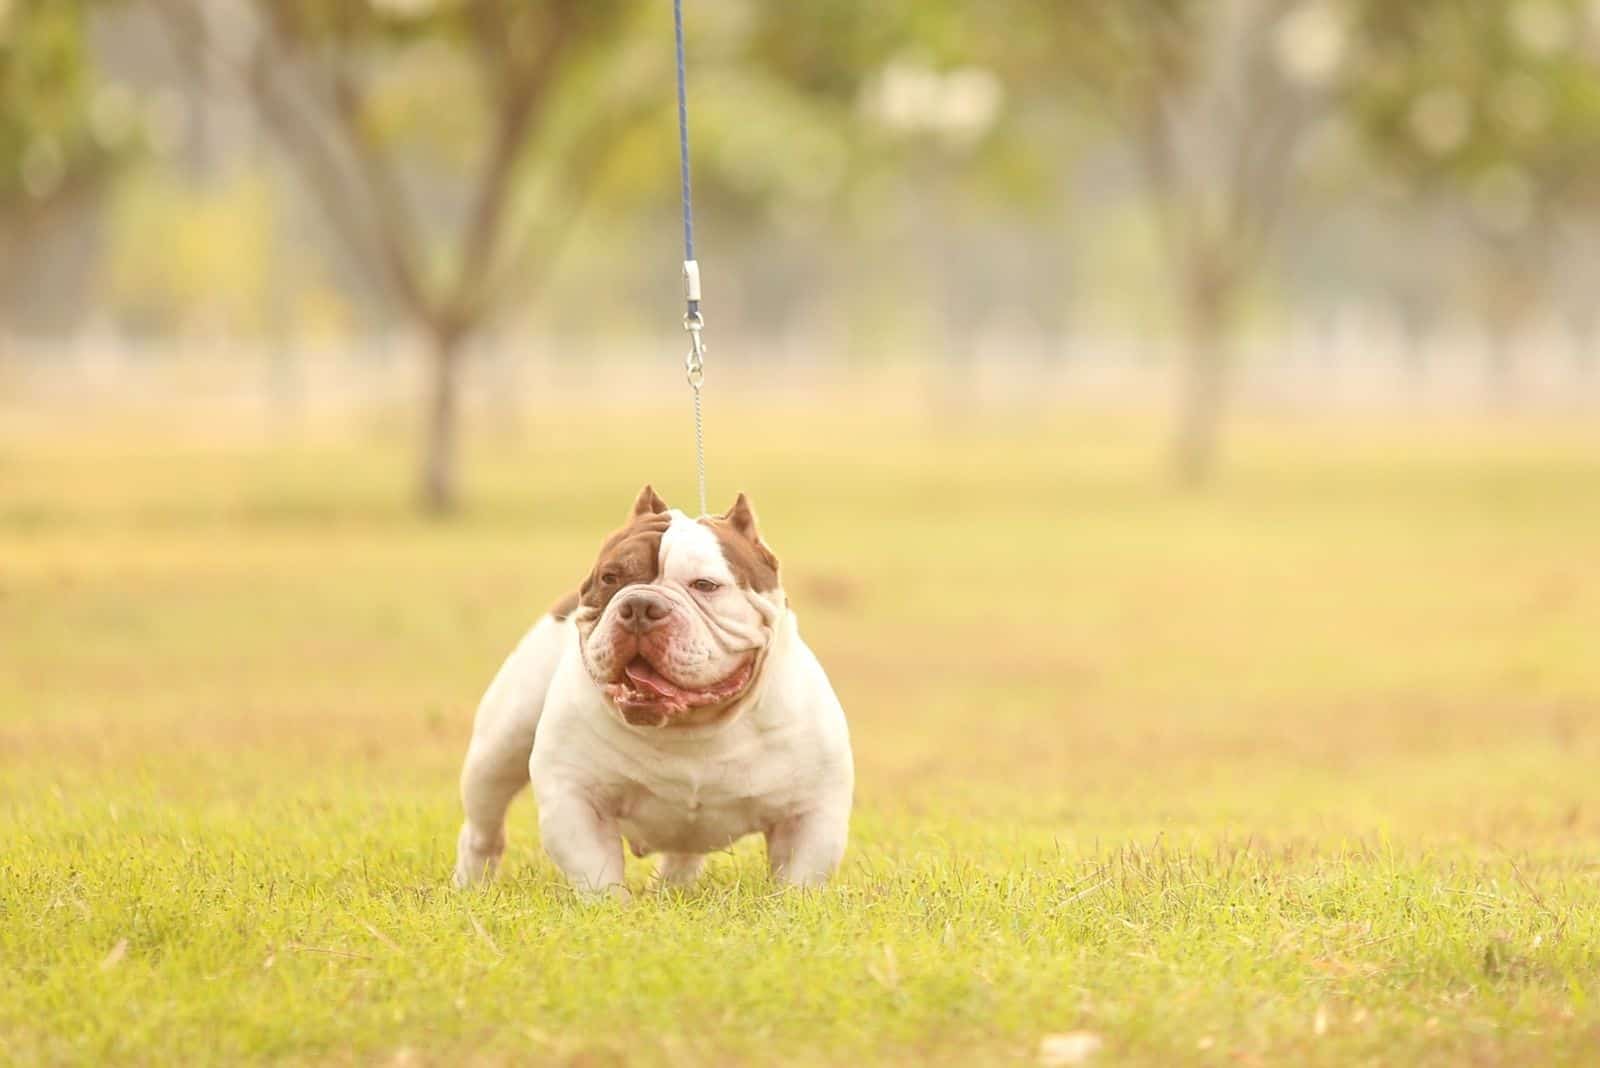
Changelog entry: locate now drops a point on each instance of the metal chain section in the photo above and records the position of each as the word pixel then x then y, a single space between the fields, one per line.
pixel 694 369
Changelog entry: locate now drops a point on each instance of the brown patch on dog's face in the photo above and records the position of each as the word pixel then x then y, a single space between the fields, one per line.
pixel 564 607
pixel 629 556
pixel 753 564
pixel 622 554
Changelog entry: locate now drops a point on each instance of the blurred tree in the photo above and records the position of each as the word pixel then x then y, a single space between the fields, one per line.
pixel 1576 282
pixel 1215 97
pixel 836 122
pixel 1497 105
pixel 61 134
pixel 344 87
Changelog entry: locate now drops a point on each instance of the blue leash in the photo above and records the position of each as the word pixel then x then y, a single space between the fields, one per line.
pixel 694 363
pixel 683 150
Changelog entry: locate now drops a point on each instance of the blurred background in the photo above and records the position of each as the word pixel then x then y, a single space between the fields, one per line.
pixel 427 221
pixel 1245 351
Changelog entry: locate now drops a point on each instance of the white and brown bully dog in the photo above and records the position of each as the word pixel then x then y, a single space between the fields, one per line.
pixel 672 702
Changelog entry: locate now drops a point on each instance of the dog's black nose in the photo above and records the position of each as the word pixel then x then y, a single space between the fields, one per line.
pixel 641 610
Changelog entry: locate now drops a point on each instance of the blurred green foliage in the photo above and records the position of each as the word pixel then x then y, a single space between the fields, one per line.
pixel 58 127
pixel 1504 98
pixel 934 175
pixel 1496 109
pixel 836 113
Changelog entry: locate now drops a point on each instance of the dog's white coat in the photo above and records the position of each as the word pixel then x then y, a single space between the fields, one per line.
pixel 781 766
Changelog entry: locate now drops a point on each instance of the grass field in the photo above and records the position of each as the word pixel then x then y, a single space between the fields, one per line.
pixel 1304 771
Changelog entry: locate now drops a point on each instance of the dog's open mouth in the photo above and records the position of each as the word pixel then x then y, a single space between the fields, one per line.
pixel 648 698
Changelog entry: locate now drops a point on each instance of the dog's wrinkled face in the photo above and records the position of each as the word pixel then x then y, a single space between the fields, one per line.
pixel 676 617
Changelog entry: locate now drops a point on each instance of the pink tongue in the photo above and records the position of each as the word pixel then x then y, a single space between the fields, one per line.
pixel 642 674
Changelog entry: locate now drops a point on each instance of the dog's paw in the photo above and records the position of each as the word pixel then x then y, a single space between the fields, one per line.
pixel 605 895
pixel 477 857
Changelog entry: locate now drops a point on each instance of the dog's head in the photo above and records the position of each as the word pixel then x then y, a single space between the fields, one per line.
pixel 677 616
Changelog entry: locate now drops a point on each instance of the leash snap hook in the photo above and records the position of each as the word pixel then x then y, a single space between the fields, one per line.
pixel 694 366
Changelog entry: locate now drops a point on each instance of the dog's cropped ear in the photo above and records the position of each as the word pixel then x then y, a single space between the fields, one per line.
pixel 742 518
pixel 648 503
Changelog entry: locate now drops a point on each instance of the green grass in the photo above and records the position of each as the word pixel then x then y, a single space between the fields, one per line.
pixel 1305 770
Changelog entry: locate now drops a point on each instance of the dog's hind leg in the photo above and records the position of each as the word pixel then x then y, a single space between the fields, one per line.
pixel 495 770
pixel 496 767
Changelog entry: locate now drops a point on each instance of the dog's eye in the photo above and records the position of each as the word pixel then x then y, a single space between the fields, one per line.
pixel 608 579
pixel 706 585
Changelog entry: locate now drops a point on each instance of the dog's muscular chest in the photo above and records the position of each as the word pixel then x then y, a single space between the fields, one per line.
pixel 695 804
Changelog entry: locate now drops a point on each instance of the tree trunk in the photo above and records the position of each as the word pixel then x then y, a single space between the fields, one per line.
pixel 1202 378
pixel 1500 378
pixel 1416 329
pixel 1585 330
pixel 439 490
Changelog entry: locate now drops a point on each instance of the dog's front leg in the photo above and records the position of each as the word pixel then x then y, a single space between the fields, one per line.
pixel 586 845
pixel 805 849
